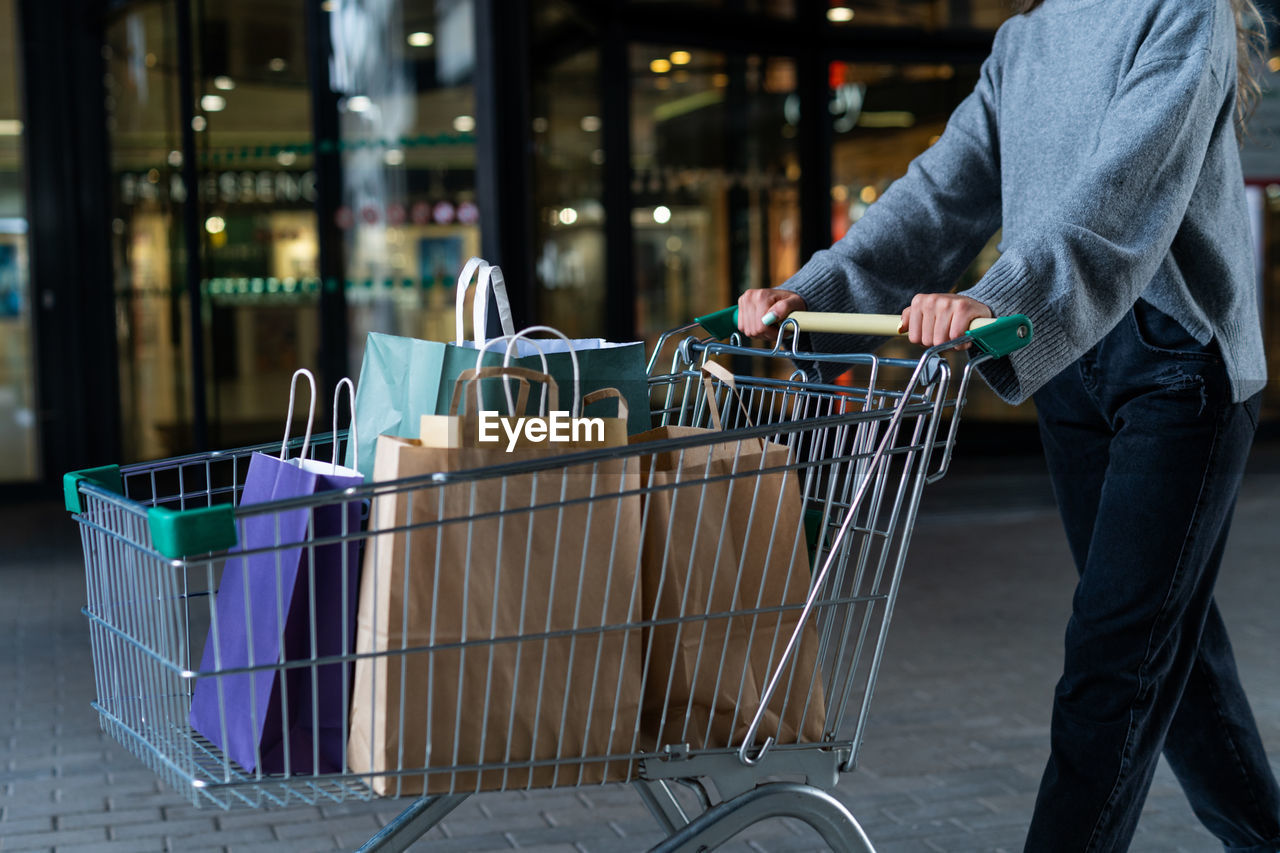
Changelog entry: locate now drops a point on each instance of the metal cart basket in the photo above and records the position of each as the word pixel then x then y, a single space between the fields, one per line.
pixel 719 648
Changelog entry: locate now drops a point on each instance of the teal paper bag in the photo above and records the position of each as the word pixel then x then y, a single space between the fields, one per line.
pixel 402 379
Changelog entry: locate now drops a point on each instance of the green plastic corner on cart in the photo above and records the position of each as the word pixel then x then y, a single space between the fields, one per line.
pixel 720 324
pixel 175 533
pixel 107 476
pixel 1005 335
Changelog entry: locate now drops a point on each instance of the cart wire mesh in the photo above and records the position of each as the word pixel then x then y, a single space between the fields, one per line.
pixel 809 488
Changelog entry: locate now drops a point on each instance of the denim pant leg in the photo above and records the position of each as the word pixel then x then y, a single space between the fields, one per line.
pixel 1146 453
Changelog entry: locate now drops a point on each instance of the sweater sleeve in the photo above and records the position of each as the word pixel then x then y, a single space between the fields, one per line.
pixel 923 231
pixel 1083 262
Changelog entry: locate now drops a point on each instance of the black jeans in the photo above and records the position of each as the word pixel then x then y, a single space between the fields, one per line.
pixel 1146 452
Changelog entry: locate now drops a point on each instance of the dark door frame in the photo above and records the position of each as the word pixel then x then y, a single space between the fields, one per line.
pixel 68 211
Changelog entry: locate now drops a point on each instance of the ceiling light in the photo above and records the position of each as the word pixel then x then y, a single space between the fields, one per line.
pixel 213 103
pixel 590 123
pixel 681 57
pixel 839 14
pixel 277 64
pixel 660 66
pixel 662 214
pixel 421 39
pixel 464 124
pixel 358 103
pixel 224 83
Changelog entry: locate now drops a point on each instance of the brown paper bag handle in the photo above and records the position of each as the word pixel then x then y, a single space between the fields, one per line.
pixel 712 369
pixel 523 374
pixel 604 394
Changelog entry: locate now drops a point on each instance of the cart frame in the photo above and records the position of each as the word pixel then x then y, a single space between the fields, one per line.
pixel 156 536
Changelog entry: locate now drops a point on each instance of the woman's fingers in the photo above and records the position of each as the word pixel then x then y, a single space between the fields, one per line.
pixel 930 319
pixel 935 318
pixel 762 310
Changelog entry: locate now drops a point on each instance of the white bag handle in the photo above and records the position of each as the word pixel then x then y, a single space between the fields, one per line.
pixel 491 279
pixel 576 411
pixel 311 414
pixel 506 385
pixel 351 436
pixel 464 282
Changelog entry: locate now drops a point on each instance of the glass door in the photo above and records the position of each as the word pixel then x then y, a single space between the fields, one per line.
pixel 715 179
pixel 149 255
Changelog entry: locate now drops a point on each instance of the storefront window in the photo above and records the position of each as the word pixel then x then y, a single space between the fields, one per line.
pixel 714 179
pixel 407 216
pixel 776 8
pixel 152 309
pixel 259 253
pixel 20 460
pixel 927 14
pixel 404 71
pixel 568 208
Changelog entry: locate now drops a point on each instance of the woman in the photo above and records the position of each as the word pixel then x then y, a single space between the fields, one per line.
pixel 1102 138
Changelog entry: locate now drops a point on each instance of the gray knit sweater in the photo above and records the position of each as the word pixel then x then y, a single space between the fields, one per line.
pixel 1100 137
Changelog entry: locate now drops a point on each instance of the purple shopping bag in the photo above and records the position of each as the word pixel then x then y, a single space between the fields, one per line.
pixel 287 604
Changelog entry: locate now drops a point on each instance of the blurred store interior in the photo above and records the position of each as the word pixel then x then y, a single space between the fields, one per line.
pixel 196 198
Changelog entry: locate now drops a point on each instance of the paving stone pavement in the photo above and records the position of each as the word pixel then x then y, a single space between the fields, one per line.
pixel 954 747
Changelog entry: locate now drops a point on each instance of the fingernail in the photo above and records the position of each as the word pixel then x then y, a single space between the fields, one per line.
pixel 769 319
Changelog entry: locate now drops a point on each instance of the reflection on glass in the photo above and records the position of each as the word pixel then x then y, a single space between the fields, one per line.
pixel 259 250
pixel 774 8
pixel 568 197
pixel 925 14
pixel 714 184
pixel 404 70
pixel 149 259
pixel 20 459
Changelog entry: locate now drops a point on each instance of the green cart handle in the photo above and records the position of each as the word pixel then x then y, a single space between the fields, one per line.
pixel 996 337
pixel 175 533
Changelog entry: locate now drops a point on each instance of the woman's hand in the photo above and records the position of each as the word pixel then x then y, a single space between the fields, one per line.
pixel 935 318
pixel 770 304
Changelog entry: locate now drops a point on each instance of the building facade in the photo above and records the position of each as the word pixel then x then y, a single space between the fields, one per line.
pixel 198 198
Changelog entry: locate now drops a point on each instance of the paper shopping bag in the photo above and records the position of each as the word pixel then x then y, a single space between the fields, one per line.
pixel 496 621
pixel 723 544
pixel 562 431
pixel 294 602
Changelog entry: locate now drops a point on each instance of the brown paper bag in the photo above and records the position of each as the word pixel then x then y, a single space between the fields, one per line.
pixel 714 547
pixel 484 573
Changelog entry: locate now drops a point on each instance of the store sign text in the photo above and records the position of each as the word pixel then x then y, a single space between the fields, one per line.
pixel 247 187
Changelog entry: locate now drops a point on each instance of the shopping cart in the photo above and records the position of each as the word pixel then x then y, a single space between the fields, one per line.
pixel 826 477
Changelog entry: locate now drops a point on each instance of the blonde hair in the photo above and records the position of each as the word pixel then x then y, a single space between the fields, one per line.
pixel 1251 51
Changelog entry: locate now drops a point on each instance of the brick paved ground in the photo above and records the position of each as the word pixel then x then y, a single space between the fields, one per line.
pixel 954 749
